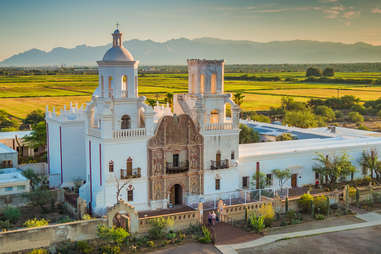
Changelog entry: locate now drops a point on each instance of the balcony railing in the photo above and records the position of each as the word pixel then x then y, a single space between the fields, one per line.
pixel 126 133
pixel 175 169
pixel 218 126
pixel 130 173
pixel 219 164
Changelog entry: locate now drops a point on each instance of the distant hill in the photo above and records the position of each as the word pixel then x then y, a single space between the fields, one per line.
pixel 176 51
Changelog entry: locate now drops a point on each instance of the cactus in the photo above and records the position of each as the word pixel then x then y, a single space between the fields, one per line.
pixel 327 205
pixel 286 204
pixel 246 213
pixel 357 197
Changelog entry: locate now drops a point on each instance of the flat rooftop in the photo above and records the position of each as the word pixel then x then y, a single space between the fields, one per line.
pixel 8 175
pixel 6 149
pixel 308 139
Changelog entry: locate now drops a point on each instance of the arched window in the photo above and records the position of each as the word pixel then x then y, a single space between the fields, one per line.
pixel 102 87
pixel 129 163
pixel 124 86
pixel 130 195
pixel 109 87
pixel 126 122
pixel 214 116
pixel 213 84
pixel 111 166
pixel 202 84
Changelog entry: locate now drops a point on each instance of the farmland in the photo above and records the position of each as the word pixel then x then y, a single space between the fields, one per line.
pixel 21 94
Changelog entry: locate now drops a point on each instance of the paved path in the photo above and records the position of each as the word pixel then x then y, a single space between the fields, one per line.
pixel 371 219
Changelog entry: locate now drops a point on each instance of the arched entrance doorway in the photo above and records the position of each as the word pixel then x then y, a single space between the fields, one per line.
pixel 176 195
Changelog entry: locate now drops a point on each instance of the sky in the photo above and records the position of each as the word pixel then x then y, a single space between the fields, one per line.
pixel 46 24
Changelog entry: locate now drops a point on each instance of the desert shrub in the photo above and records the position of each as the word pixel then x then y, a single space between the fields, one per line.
pixel 320 203
pixel 35 223
pixel 171 235
pixel 12 214
pixel 352 192
pixel 206 235
pixel 256 223
pixel 355 117
pixel 39 251
pixel 159 227
pixel 151 244
pixel 319 216
pixel 84 247
pixel 115 236
pixel 110 249
pixel 64 219
pixel 305 202
pixel 268 214
pixel 86 217
pixel 4 225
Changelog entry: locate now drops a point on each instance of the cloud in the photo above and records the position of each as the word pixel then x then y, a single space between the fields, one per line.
pixel 376 11
pixel 341 13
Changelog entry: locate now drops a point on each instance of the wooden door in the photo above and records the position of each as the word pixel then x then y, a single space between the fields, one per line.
pixel 218 159
pixel 294 180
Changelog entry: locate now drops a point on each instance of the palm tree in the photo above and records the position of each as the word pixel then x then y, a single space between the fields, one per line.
pixel 369 162
pixel 238 98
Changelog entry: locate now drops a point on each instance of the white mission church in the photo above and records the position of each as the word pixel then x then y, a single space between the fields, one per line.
pixel 163 155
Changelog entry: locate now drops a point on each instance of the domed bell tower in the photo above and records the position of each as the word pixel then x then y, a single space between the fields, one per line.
pixel 118 72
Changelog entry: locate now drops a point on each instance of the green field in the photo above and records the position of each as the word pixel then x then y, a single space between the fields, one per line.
pixel 21 94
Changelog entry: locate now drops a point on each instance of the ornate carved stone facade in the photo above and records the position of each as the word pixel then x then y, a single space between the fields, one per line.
pixel 175 158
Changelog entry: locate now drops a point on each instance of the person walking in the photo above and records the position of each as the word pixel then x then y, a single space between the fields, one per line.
pixel 214 218
pixel 209 218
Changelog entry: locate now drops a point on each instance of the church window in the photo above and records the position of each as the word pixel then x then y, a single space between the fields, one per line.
pixel 130 195
pixel 214 114
pixel 218 184
pixel 102 87
pixel 124 86
pixel 202 84
pixel 126 122
pixel 232 155
pixel 109 87
pixel 213 84
pixel 245 182
pixel 111 166
pixel 269 179
pixel 176 160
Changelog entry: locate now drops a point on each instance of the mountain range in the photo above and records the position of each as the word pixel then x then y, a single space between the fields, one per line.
pixel 176 51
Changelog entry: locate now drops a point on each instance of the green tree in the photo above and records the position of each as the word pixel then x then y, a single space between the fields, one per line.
pixel 11 213
pixel 248 135
pixel 7 123
pixel 333 168
pixel 370 163
pixel 285 137
pixel 36 181
pixel 282 175
pixel 326 112
pixel 34 117
pixel 260 118
pixel 262 181
pixel 40 197
pixel 151 102
pixel 328 72
pixel 302 119
pixel 288 103
pixel 355 117
pixel 38 136
pixel 313 72
pixel 238 98
pixel 169 99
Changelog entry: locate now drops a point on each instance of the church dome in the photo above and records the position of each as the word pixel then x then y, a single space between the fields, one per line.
pixel 117 52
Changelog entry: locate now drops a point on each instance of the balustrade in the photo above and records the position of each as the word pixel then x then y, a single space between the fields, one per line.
pixel 130 173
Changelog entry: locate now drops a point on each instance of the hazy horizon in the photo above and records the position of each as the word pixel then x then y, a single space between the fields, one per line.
pixel 45 25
